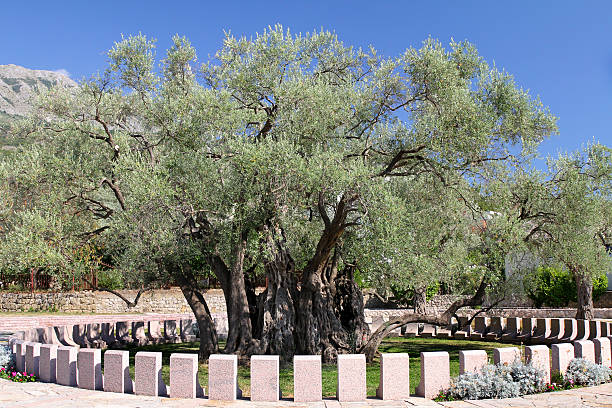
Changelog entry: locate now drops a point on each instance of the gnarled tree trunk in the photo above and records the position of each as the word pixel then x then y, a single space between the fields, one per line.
pixel 584 286
pixel 319 329
pixel 349 307
pixel 275 306
pixel 208 333
pixel 240 334
pixel 439 319
pixel 420 300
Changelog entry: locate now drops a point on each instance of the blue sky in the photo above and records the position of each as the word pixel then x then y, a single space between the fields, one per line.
pixel 560 50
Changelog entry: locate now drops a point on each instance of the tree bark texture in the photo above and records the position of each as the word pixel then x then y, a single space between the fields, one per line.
pixel 275 306
pixel 208 334
pixel 239 336
pixel 584 286
pixel 319 329
pixel 420 300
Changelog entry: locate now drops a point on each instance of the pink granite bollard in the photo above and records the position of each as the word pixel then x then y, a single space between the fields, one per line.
pixel 94 335
pixel 583 331
pixel 512 329
pixel 464 331
pixel 107 333
pixel 506 355
pixel 170 333
pixel 539 356
pixel 223 378
pixel 481 325
pixel 264 378
pixel 79 335
pixel 66 364
pixel 411 330
pixel 117 372
pixel 20 350
pixel 64 334
pixel 472 361
pixel 527 328
pixel 184 376
pixel 122 332
pixel 602 351
pixel 154 332
pixel 187 334
pixel 307 379
pixel 89 369
pixel 585 349
pixel 32 358
pixel 556 331
pixel 394 383
pixel 47 335
pixel 351 384
pixel 377 322
pixel 570 330
pixel 594 329
pixel 435 373
pixel 138 333
pixel 429 330
pixel 47 363
pixel 562 354
pixel 496 328
pixel 542 330
pixel 148 374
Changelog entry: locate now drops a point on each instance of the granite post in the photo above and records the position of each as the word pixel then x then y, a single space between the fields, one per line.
pixel 351 384
pixel 394 382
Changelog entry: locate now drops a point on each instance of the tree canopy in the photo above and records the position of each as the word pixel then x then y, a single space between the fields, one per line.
pixel 293 157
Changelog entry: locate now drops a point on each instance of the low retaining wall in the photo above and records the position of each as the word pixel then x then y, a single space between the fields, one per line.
pixel 74 363
pixel 154 301
pixel 173 301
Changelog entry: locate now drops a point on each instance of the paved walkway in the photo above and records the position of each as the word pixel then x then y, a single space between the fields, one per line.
pixel 52 395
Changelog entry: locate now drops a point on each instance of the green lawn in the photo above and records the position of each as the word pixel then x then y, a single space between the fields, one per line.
pixel 411 346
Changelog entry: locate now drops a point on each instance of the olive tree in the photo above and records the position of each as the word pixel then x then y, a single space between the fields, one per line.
pixel 569 211
pixel 283 155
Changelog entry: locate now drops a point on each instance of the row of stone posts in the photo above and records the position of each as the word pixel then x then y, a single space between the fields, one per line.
pixel 72 366
pixel 509 330
pixel 114 334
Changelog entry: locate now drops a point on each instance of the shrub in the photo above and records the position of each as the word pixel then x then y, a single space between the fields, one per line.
pixel 585 372
pixel 498 381
pixel 555 287
pixel 7 359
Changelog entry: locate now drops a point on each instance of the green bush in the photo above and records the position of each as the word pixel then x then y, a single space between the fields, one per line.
pixel 406 296
pixel 554 287
pixel 110 279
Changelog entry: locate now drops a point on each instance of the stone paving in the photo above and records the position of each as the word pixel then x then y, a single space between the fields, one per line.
pixel 52 395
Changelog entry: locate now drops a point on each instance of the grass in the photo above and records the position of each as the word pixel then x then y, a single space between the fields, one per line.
pixel 412 346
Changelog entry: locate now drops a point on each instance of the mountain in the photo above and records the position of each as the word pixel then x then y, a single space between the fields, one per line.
pixel 18 86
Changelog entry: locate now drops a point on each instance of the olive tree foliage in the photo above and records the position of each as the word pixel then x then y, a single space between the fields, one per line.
pixel 292 156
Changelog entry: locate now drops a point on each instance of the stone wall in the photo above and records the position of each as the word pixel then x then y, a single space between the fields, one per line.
pixel 155 301
pixel 173 301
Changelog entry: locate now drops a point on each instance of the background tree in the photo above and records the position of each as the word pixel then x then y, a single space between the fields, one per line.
pixel 569 211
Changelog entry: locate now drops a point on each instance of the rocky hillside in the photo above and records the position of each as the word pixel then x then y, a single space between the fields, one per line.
pixel 18 85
